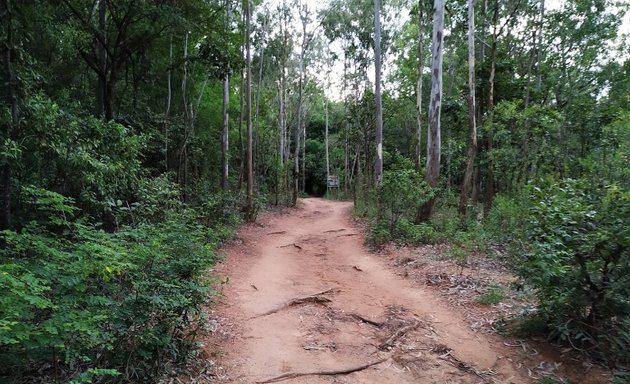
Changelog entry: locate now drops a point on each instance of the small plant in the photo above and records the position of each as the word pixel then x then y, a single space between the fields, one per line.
pixel 494 295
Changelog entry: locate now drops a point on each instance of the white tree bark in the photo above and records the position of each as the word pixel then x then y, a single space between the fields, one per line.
pixel 472 126
pixel 378 164
pixel 434 144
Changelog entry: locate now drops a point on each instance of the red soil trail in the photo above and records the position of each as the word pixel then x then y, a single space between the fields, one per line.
pixel 305 296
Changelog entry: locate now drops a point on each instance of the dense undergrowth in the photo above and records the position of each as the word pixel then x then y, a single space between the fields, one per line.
pixel 567 239
pixel 82 305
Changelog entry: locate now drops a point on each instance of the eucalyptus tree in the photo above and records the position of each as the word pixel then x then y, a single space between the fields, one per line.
pixel 435 107
pixel 249 203
pixel 378 163
pixel 307 37
pixel 472 127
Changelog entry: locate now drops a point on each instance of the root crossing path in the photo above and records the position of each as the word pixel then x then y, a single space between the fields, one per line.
pixel 306 302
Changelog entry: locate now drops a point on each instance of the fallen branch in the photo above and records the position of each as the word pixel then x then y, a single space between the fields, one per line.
pixel 293 375
pixel 396 335
pixel 335 230
pixel 316 298
pixel 347 234
pixel 365 320
pixel 461 365
pixel 292 244
pixel 277 233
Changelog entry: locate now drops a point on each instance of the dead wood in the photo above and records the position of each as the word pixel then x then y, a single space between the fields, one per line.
pixel 293 375
pixel 365 320
pixel 347 234
pixel 357 268
pixel 461 365
pixel 277 233
pixel 316 298
pixel 292 244
pixel 335 230
pixel 400 332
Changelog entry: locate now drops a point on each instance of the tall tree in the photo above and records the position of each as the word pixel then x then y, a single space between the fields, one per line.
pixel 249 204
pixel 435 106
pixel 418 155
pixel 306 39
pixel 10 102
pixel 225 138
pixel 378 164
pixel 472 124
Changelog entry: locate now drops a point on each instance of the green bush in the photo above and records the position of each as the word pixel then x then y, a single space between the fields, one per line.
pixel 580 264
pixel 78 302
pixel 401 193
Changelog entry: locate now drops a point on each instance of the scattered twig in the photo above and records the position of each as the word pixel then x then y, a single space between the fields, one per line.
pixel 313 347
pixel 396 335
pixel 365 320
pixel 357 268
pixel 448 356
pixel 253 286
pixel 277 233
pixel 316 298
pixel 335 230
pixel 347 234
pixel 293 375
pixel 292 244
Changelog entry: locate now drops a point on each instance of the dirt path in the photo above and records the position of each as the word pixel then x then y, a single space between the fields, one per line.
pixel 363 314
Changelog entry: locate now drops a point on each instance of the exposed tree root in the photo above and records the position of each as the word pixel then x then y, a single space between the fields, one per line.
pixel 277 233
pixel 293 375
pixel 348 234
pixel 316 298
pixel 335 230
pixel 396 335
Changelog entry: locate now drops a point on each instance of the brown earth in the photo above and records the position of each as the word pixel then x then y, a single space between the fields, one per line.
pixel 306 302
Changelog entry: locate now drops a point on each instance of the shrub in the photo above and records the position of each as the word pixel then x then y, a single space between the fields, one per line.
pixel 580 263
pixel 401 193
pixel 81 303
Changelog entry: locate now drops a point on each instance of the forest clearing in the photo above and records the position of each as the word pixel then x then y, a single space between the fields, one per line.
pixel 378 191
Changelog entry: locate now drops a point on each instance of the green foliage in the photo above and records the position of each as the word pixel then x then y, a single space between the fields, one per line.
pixel 579 263
pixel 494 295
pixel 108 305
pixel 401 193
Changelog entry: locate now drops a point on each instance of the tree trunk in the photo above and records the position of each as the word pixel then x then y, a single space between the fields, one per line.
pixel 11 98
pixel 249 204
pixel 490 142
pixel 539 50
pixel 298 127
pixel 225 142
pixel 241 117
pixel 378 164
pixel 326 141
pixel 282 119
pixel 169 99
pixel 102 59
pixel 472 126
pixel 418 157
pixel 433 136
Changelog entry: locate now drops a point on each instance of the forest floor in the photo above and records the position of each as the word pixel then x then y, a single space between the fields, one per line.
pixel 307 302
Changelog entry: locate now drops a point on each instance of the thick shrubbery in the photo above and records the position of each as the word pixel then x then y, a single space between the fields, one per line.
pixel 78 302
pixel 579 264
